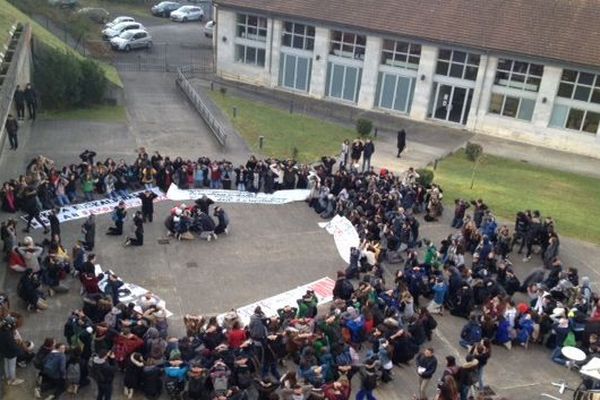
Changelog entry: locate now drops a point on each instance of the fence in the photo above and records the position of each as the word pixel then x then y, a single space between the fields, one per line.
pixel 183 82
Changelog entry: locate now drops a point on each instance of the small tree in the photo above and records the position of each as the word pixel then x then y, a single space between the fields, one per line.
pixel 425 177
pixel 474 153
pixel 364 127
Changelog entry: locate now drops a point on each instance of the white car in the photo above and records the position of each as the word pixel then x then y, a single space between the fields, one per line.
pixel 187 13
pixel 132 39
pixel 116 30
pixel 209 28
pixel 118 20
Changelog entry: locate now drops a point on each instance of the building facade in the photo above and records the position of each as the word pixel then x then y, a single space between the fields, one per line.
pixel 502 93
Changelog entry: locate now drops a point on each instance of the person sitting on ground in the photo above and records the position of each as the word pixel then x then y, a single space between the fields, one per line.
pixel 223 220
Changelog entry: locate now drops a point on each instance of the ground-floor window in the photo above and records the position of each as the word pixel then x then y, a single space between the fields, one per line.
pixel 294 72
pixel 394 92
pixel 512 106
pixel 578 119
pixel 250 55
pixel 343 82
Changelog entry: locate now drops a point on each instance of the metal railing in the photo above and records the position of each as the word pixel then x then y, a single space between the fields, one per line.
pixel 184 74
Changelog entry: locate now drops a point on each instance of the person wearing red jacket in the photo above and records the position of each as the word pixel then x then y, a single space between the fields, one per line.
pixel 338 390
pixel 125 345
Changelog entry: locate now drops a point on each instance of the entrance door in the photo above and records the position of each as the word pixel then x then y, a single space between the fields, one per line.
pixel 452 103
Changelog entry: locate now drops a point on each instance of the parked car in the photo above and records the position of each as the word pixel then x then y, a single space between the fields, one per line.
pixel 116 30
pixel 209 28
pixel 187 13
pixel 98 15
pixel 118 20
pixel 165 8
pixel 132 39
pixel 64 3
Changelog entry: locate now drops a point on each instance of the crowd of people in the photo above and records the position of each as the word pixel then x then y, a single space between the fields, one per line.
pixel 306 351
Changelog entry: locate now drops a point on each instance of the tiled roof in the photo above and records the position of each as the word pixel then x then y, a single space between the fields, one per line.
pixel 562 30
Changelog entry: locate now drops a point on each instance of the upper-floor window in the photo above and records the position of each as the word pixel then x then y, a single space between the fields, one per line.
pixel 298 36
pixel 578 85
pixel 400 54
pixel 252 27
pixel 519 75
pixel 349 45
pixel 457 64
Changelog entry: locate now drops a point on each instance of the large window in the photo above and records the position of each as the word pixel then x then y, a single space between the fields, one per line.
pixel 343 82
pixel 457 64
pixel 250 55
pixel 519 75
pixel 348 45
pixel 512 106
pixel 579 85
pixel 252 27
pixel 400 54
pixel 294 72
pixel 298 36
pixel 394 92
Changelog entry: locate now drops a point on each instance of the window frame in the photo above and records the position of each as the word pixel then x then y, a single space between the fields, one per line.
pixel 512 72
pixel 246 27
pixel 398 53
pixel 244 60
pixel 338 46
pixel 451 62
pixel 308 40
pixel 510 97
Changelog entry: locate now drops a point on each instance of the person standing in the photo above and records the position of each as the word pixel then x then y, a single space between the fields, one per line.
pixel 345 152
pixel 54 224
pixel 368 380
pixel 118 216
pixel 31 100
pixel 138 222
pixel 356 152
pixel 31 205
pixel 103 370
pixel 368 151
pixel 401 141
pixel 20 103
pixel 89 232
pixel 9 349
pixel 426 366
pixel 147 199
pixel 12 127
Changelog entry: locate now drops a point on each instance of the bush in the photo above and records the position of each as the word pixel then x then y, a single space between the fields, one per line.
pixel 473 151
pixel 425 177
pixel 364 127
pixel 93 83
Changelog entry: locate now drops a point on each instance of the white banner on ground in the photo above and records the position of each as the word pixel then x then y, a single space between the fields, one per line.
pixel 344 234
pixel 130 292
pixel 102 206
pixel 236 196
pixel 323 289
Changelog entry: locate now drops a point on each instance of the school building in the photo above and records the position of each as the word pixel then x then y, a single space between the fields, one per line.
pixel 527 70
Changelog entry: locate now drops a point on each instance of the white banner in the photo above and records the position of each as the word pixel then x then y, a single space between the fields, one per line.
pixel 344 234
pixel 102 206
pixel 236 196
pixel 323 289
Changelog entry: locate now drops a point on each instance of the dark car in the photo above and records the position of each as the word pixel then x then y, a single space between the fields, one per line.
pixel 165 8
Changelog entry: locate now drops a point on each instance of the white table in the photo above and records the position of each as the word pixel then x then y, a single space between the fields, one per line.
pixel 591 369
pixel 573 353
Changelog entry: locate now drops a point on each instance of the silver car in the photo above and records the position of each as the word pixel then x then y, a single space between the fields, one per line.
pixel 118 20
pixel 116 30
pixel 187 13
pixel 132 39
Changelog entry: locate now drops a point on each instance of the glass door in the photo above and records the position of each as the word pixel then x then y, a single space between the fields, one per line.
pixel 442 102
pixel 452 103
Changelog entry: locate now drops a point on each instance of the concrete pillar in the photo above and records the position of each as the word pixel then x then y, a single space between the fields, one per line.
pixel 319 65
pixel 480 102
pixel 368 86
pixel 225 32
pixel 418 110
pixel 275 54
pixel 548 90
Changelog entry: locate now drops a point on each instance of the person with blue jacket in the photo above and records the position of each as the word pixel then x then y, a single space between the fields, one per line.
pixel 440 289
pixel 471 333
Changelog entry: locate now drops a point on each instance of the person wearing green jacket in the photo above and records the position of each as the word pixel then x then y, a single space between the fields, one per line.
pixel 307 306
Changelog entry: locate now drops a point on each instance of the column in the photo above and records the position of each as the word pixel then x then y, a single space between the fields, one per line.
pixel 366 96
pixel 482 92
pixel 427 64
pixel 225 37
pixel 319 67
pixel 548 90
pixel 275 52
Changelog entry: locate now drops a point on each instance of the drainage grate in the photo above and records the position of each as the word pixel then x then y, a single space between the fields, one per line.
pixel 192 264
pixel 164 241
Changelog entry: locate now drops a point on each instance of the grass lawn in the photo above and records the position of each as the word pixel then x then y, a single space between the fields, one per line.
pixel 283 131
pixel 9 15
pixel 509 186
pixel 114 114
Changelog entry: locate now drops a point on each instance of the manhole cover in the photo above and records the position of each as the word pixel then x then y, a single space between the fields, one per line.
pixel 192 265
pixel 164 241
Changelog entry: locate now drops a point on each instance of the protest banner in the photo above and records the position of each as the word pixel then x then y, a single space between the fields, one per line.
pixel 323 289
pixel 96 207
pixel 236 196
pixel 344 235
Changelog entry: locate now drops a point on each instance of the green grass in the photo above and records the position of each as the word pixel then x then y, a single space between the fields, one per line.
pixel 509 186
pixel 114 114
pixel 9 15
pixel 283 131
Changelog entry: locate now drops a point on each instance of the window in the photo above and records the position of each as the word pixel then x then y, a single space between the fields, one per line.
pixel 401 54
pixel 348 45
pixel 343 82
pixel 250 55
pixel 298 36
pixel 519 75
pixel 579 85
pixel 294 72
pixel 252 27
pixel 394 92
pixel 511 106
pixel 457 64
pixel 574 118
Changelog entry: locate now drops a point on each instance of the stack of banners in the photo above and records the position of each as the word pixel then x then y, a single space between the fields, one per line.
pixel 236 196
pixel 323 289
pixel 104 206
pixel 344 234
pixel 130 292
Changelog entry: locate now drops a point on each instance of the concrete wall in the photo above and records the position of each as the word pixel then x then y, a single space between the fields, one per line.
pixel 424 86
pixel 366 96
pixel 319 66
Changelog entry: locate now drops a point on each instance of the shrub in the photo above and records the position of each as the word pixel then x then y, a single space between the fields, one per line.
pixel 364 127
pixel 473 151
pixel 425 177
pixel 93 83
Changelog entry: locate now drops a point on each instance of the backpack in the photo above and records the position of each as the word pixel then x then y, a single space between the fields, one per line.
pixel 369 381
pixel 569 340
